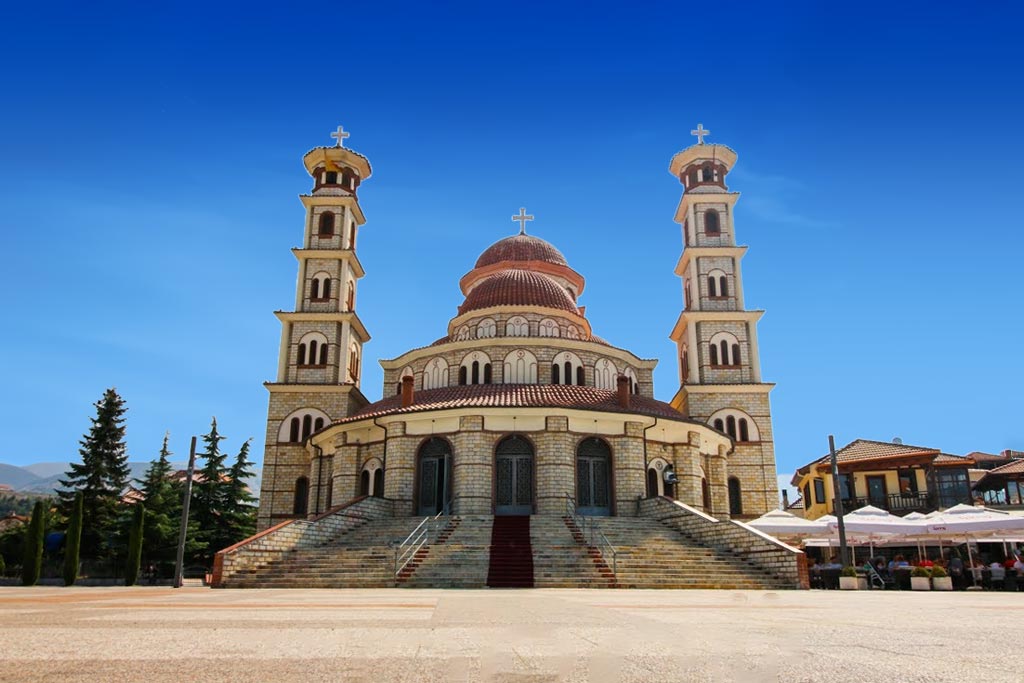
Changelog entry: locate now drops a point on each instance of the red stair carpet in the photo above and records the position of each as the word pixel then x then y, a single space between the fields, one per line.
pixel 511 555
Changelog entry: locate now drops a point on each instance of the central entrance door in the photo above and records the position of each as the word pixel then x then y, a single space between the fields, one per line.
pixel 513 491
pixel 877 494
pixel 435 477
pixel 593 480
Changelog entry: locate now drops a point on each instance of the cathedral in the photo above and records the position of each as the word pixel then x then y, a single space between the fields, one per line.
pixel 520 407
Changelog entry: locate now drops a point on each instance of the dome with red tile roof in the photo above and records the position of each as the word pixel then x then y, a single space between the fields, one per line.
pixel 521 248
pixel 516 287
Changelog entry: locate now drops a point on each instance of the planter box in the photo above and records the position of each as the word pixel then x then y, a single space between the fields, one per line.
pixel 849 583
pixel 920 583
pixel 942 583
pixel 862 583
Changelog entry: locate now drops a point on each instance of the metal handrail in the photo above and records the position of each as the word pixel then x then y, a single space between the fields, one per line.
pixel 424 533
pixel 597 538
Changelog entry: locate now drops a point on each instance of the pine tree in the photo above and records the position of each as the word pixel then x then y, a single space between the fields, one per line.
pixel 209 502
pixel 131 572
pixel 163 510
pixel 32 565
pixel 73 542
pixel 240 512
pixel 102 474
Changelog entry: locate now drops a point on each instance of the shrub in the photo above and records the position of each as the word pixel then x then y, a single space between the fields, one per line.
pixel 938 572
pixel 848 571
pixel 32 566
pixel 73 544
pixel 920 572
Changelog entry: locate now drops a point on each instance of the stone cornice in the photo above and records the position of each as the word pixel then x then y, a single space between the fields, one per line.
pixel 727 198
pixel 339 254
pixel 690 253
pixel 761 388
pixel 711 316
pixel 310 200
pixel 280 388
pixel 332 317
pixel 509 311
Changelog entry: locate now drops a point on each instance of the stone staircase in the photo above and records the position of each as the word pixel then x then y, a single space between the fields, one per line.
pixel 561 558
pixel 458 559
pixel 653 555
pixel 359 558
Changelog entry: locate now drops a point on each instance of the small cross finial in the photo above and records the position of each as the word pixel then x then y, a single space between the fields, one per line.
pixel 700 133
pixel 522 218
pixel 340 136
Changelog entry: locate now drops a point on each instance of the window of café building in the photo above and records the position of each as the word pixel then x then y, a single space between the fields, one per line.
pixel 819 490
pixel 908 481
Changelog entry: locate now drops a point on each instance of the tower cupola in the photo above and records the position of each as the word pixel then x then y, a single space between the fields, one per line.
pixel 703 167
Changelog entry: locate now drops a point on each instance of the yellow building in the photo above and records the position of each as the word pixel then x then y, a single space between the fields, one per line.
pixel 891 476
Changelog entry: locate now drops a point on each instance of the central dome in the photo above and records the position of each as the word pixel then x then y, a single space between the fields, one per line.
pixel 521 248
pixel 519 288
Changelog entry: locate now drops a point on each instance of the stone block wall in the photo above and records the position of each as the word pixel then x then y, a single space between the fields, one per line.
pixel 735 538
pixel 270 544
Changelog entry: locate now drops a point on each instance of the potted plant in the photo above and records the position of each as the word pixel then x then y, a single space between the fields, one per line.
pixel 920 579
pixel 848 579
pixel 941 581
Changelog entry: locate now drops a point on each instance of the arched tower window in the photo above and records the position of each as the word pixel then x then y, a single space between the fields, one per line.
pixel 435 375
pixel 320 287
pixel 708 173
pixel 517 327
pixel 486 329
pixel 712 226
pixel 605 375
pixel 371 478
pixel 350 296
pixel 300 503
pixel 548 328
pixel 326 228
pixel 312 350
pixel 736 423
pixel 634 385
pixel 565 367
pixel 724 350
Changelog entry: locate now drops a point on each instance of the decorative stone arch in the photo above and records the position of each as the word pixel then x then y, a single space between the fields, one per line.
pixel 514 475
pixel 567 368
pixel 301 424
pixel 407 371
pixel 350 296
pixel 354 357
pixel 724 350
pixel 594 477
pixel 517 326
pixel 462 334
pixel 605 374
pixel 475 368
pixel 371 478
pixel 548 328
pixel 320 286
pixel 572 332
pixel 656 484
pixel 433 490
pixel 718 283
pixel 435 373
pixel 634 385
pixel 520 367
pixel 486 329
pixel 312 351
pixel 736 423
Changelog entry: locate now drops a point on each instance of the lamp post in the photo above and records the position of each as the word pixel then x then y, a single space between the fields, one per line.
pixel 837 503
pixel 180 561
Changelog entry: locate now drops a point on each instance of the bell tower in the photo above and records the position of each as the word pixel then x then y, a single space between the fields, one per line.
pixel 715 335
pixel 320 359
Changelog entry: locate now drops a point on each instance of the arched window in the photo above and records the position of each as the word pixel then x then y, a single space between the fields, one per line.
pixel 730 426
pixel 517 327
pixel 568 364
pixel 744 430
pixel 302 354
pixel 724 345
pixel 331 178
pixel 548 328
pixel 593 477
pixel 487 373
pixel 320 287
pixel 712 286
pixel 364 483
pixel 693 176
pixel 300 503
pixel 714 354
pixel 723 286
pixel 708 173
pixel 735 497
pixel 634 385
pixel 314 289
pixel 462 376
pixel 736 424
pixel 326 224
pixel 352 236
pixel 580 376
pixel 434 468
pixel 475 368
pixel 312 349
pixel 318 424
pixel 462 333
pixel 294 430
pixel 372 472
pixel 735 354
pixel 435 375
pixel 520 367
pixel 711 223
pixel 350 296
pixel 605 375
pixel 572 332
pixel 486 329
pixel 652 483
pixel 307 426
pixel 720 425
pixel 353 363
pixel 724 349
pixel 717 284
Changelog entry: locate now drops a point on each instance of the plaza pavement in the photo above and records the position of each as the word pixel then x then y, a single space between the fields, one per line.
pixel 197 634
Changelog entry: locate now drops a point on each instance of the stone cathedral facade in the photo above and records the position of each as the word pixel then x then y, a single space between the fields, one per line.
pixel 520 407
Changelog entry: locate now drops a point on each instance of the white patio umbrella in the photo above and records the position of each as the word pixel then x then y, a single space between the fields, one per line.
pixel 782 523
pixel 967 521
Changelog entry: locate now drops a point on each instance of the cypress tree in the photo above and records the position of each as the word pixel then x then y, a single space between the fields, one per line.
pixel 131 572
pixel 163 509
pixel 102 474
pixel 73 542
pixel 240 509
pixel 32 565
pixel 208 501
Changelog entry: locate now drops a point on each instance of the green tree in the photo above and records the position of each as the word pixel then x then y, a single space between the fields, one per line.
pixel 102 474
pixel 73 542
pixel 32 564
pixel 240 508
pixel 209 494
pixel 131 572
pixel 3 565
pixel 162 497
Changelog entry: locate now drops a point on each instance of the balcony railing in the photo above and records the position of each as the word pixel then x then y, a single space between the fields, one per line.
pixel 902 503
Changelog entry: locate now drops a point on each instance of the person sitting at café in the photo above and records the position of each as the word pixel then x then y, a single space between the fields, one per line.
pixel 833 563
pixel 998 574
pixel 897 562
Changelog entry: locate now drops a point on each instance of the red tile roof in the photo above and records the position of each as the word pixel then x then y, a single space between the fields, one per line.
pixel 516 287
pixel 518 396
pixel 864 449
pixel 1012 467
pixel 521 248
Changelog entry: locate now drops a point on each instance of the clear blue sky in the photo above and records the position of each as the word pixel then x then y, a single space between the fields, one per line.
pixel 150 165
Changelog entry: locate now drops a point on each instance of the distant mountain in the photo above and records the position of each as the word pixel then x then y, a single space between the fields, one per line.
pixel 44 477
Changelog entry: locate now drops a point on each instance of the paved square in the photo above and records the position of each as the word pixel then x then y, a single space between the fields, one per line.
pixel 193 634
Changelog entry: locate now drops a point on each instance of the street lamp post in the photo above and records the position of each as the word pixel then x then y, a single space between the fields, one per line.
pixel 180 561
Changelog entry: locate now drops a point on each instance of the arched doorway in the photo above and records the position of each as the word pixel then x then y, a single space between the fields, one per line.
pixel 435 467
pixel 593 477
pixel 735 497
pixel 513 465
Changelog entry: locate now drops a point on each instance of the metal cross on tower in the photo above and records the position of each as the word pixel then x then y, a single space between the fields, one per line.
pixel 340 136
pixel 700 133
pixel 522 218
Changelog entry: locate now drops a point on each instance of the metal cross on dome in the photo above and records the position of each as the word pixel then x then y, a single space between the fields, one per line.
pixel 522 218
pixel 340 136
pixel 700 133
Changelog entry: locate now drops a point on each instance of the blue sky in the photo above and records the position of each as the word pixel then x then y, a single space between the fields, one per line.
pixel 151 159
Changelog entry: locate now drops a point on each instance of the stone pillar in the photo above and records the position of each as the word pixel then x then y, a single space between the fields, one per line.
pixel 687 466
pixel 628 469
pixel 400 468
pixel 345 474
pixel 554 464
pixel 718 480
pixel 472 468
